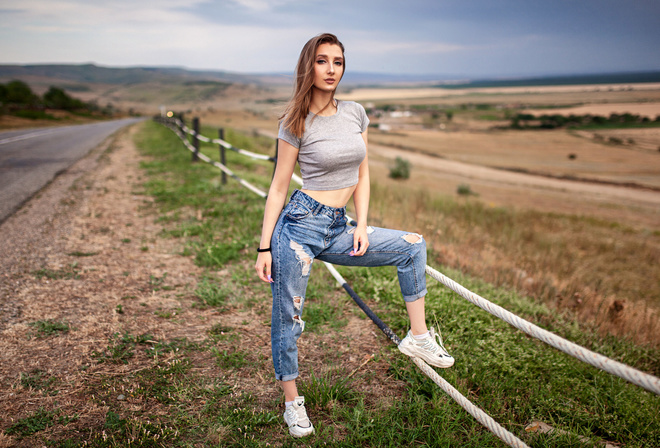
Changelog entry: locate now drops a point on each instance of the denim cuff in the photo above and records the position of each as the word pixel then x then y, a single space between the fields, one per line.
pixel 290 377
pixel 414 297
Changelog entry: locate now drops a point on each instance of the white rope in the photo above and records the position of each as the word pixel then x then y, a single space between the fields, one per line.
pixel 243 182
pixel 224 143
pixel 483 418
pixel 207 159
pixel 648 382
pixel 245 152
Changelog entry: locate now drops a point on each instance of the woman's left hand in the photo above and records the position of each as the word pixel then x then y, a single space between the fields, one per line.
pixel 360 241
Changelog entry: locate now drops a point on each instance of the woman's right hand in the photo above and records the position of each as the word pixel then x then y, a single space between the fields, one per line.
pixel 264 262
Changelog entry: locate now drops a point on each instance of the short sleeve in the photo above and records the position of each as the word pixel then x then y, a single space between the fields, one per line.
pixel 287 136
pixel 364 119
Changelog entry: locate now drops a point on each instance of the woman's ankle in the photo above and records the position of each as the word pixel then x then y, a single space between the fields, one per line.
pixel 290 390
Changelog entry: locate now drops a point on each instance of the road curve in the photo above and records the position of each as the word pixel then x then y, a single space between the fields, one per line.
pixel 31 158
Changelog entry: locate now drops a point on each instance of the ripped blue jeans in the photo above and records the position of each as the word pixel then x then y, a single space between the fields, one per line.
pixel 308 230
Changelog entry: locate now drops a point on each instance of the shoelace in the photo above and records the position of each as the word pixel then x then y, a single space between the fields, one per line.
pixel 430 346
pixel 299 415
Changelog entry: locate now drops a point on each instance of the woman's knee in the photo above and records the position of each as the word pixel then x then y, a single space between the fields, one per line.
pixel 417 246
pixel 414 238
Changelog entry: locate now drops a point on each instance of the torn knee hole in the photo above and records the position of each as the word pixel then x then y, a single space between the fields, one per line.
pixel 413 238
pixel 297 302
pixel 299 321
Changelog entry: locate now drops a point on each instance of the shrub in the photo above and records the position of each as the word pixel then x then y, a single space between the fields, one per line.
pixel 18 92
pixel 465 190
pixel 401 169
pixel 57 98
pixel 34 114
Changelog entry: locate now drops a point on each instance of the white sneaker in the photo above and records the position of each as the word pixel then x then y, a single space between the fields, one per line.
pixel 296 417
pixel 430 349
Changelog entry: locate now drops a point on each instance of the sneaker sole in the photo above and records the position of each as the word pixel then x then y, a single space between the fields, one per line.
pixel 299 436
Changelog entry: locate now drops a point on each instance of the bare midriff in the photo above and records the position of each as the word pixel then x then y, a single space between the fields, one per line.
pixel 333 198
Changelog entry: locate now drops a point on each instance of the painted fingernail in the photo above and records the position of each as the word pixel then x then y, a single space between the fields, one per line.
pixel 352 253
pixel 270 279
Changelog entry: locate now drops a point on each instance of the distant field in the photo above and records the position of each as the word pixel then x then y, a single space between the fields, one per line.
pixel 544 152
pixel 650 110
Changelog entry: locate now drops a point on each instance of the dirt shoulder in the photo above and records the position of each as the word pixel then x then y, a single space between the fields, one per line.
pixel 82 252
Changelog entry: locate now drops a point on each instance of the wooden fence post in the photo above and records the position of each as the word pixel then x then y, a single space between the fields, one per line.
pixel 221 136
pixel 195 123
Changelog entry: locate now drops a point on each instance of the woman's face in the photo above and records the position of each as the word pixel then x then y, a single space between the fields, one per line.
pixel 328 67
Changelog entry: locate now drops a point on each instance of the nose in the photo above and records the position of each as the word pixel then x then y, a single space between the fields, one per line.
pixel 331 68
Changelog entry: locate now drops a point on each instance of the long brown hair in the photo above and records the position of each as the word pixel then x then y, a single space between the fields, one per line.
pixel 298 107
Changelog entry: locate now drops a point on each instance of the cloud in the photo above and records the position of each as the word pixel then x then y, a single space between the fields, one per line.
pixel 421 36
pixel 417 47
pixel 264 5
pixel 77 14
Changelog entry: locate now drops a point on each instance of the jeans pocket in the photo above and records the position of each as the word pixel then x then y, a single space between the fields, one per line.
pixel 298 212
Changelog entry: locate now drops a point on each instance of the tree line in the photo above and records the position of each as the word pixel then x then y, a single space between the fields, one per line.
pixel 17 98
pixel 554 121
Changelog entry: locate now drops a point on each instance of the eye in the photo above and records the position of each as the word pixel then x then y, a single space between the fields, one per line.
pixel 320 61
pixel 339 63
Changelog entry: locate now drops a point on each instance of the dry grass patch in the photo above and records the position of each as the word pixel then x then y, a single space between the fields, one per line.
pixel 572 263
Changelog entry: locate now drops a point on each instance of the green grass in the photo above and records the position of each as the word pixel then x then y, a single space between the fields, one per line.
pixel 230 359
pixel 39 380
pixel 44 328
pixel 38 421
pixel 70 271
pixel 82 254
pixel 211 292
pixel 121 348
pixel 211 392
pixel 324 392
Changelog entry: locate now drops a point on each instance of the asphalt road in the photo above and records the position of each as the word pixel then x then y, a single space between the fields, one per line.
pixel 31 158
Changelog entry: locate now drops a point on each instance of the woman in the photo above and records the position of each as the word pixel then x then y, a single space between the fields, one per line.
pixel 328 138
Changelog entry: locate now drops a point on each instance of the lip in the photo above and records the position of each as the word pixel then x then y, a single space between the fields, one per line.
pixel 330 80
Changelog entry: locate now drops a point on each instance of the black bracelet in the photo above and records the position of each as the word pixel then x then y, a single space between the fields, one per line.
pixel 263 250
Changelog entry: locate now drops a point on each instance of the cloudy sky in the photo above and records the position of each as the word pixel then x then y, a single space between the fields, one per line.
pixel 444 38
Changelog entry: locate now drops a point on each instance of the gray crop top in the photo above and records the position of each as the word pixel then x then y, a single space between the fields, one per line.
pixel 331 149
